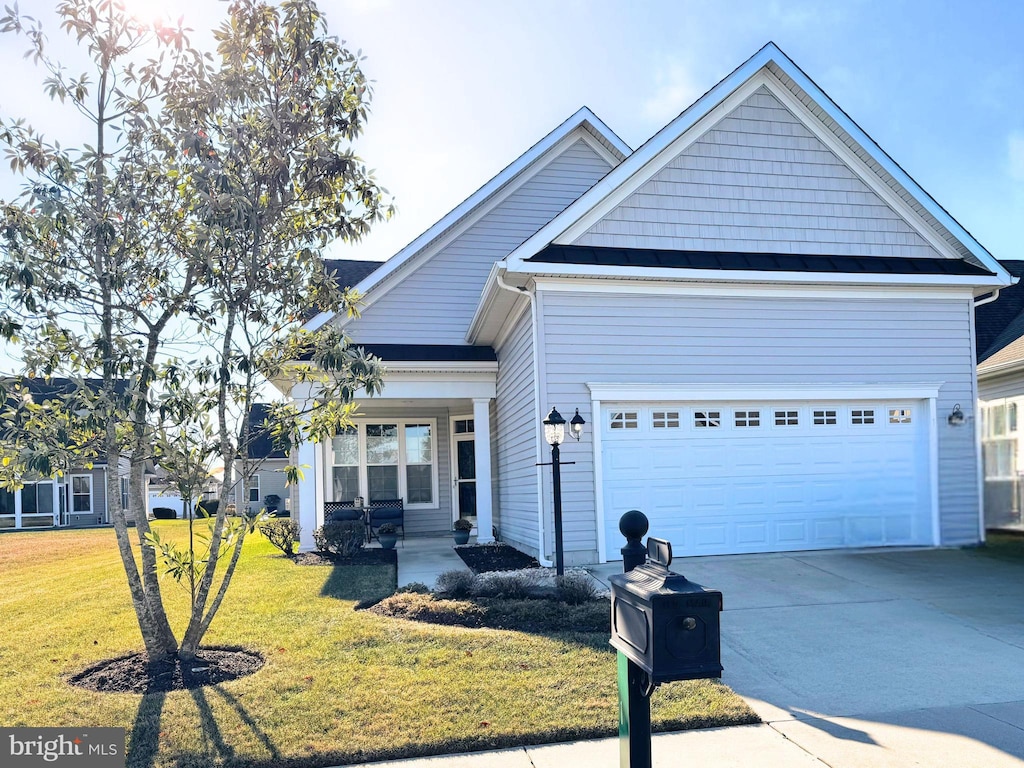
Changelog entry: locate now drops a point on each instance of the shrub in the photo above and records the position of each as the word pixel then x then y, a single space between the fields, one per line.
pixel 511 585
pixel 576 588
pixel 343 538
pixel 164 513
pixel 418 607
pixel 387 528
pixel 272 503
pixel 415 588
pixel 462 524
pixel 230 510
pixel 456 583
pixel 283 534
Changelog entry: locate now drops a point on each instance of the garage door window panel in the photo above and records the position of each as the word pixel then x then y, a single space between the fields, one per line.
pixel 624 420
pixel 707 419
pixel 748 418
pixel 862 416
pixel 825 417
pixel 665 419
pixel 900 416
pixel 787 418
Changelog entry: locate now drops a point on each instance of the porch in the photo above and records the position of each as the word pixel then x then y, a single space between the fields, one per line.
pixel 427 440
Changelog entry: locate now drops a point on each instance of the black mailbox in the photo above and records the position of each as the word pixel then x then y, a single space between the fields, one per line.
pixel 664 623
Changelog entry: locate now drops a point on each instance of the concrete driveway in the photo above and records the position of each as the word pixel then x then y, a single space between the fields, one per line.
pixel 881 658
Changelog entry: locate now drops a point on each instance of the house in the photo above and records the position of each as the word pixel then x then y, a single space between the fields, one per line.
pixel 1000 351
pixel 267 463
pixel 765 322
pixel 76 499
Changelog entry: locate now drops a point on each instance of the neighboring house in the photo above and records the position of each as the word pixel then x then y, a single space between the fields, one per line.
pixel 269 477
pixel 765 322
pixel 1000 345
pixel 76 499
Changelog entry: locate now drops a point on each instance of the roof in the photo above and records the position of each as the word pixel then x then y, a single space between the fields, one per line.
pixel 430 352
pixel 761 262
pixel 43 389
pixel 583 119
pixel 349 272
pixel 769 64
pixel 999 325
pixel 261 444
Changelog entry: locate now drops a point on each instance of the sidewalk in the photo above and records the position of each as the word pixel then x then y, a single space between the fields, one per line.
pixel 965 737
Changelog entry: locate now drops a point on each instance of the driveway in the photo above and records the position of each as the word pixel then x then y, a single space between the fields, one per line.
pixel 881 658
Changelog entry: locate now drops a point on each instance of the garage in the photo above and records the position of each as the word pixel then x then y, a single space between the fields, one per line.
pixel 727 477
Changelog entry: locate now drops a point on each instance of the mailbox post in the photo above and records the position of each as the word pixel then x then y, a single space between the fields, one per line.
pixel 664 628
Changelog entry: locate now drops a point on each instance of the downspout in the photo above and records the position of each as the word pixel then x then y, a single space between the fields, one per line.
pixel 538 415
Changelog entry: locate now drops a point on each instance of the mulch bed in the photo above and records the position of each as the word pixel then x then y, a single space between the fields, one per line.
pixel 134 673
pixel 483 558
pixel 366 556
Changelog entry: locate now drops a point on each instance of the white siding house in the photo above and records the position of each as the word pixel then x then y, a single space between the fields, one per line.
pixel 764 321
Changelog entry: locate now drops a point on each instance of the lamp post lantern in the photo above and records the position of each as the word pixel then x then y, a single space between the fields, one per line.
pixel 554 434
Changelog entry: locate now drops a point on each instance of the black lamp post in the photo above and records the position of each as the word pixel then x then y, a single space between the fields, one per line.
pixel 554 434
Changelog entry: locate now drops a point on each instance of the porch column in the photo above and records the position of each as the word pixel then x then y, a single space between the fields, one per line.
pixel 311 494
pixel 17 508
pixel 56 502
pixel 482 448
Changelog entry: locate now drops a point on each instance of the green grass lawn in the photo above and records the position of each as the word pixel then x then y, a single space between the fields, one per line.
pixel 339 686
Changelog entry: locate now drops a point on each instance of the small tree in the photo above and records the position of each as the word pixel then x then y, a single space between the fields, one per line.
pixel 197 212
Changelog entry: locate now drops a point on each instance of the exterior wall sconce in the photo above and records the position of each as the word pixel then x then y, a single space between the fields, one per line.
pixel 554 434
pixel 957 417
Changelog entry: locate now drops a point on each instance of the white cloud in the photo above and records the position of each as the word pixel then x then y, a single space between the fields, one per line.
pixel 675 90
pixel 1015 144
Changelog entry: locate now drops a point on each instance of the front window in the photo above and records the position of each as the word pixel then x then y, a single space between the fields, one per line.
pixel 386 460
pixel 37 499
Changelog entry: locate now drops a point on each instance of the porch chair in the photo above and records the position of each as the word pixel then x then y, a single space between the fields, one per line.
pixel 385 511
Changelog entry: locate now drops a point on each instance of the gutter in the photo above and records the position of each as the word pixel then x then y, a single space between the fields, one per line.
pixel 538 415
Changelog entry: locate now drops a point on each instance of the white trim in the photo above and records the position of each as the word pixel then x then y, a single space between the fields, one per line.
pixel 596 421
pixel 453 457
pixel 540 395
pixel 452 369
pixel 434 385
pixel 708 109
pixel 583 124
pixel 519 307
pixel 706 288
pixel 933 464
pixel 749 276
pixel 484 489
pixel 629 392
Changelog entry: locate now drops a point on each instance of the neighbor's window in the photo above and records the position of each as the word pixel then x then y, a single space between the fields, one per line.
pixel 37 499
pixel 1000 458
pixel 81 493
pixel 254 489
pixel 6 502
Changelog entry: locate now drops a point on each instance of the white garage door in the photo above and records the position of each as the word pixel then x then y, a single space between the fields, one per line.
pixel 733 477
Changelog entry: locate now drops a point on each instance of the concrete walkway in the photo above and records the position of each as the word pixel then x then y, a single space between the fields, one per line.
pixel 853 660
pixel 424 559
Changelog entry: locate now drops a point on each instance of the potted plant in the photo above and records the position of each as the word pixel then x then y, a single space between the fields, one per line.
pixel 461 529
pixel 387 536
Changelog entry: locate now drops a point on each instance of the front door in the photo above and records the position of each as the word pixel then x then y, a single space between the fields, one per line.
pixel 465 470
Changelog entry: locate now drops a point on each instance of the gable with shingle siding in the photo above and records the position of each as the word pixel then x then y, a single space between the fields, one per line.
pixel 759 181
pixel 435 303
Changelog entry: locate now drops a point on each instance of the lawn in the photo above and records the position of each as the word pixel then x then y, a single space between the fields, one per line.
pixel 339 686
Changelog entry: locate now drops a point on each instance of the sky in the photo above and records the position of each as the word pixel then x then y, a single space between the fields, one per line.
pixel 462 88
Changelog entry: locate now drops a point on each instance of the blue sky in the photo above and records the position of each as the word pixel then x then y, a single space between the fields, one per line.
pixel 464 87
